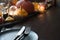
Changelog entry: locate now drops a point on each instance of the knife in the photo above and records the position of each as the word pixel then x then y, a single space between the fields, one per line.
pixel 23 33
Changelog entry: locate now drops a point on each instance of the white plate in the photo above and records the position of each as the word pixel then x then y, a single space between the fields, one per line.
pixel 10 35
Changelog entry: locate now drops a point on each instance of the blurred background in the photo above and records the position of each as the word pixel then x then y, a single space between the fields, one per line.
pixel 47 24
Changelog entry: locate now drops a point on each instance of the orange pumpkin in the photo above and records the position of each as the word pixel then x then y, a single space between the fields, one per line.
pixel 35 6
pixel 17 13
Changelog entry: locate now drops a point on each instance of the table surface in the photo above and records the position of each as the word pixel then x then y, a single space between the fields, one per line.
pixel 46 25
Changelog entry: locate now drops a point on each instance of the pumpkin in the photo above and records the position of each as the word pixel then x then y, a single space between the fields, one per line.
pixel 26 5
pixel 35 5
pixel 17 13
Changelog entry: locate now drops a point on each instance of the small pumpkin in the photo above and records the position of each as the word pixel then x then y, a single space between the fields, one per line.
pixel 35 5
pixel 17 13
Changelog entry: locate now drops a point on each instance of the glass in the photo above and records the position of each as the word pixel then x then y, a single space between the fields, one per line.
pixel 5 14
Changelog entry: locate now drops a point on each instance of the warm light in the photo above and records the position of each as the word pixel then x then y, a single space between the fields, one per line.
pixel 12 9
pixel 18 12
pixel 41 8
pixel 11 13
pixel 42 18
pixel 35 6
